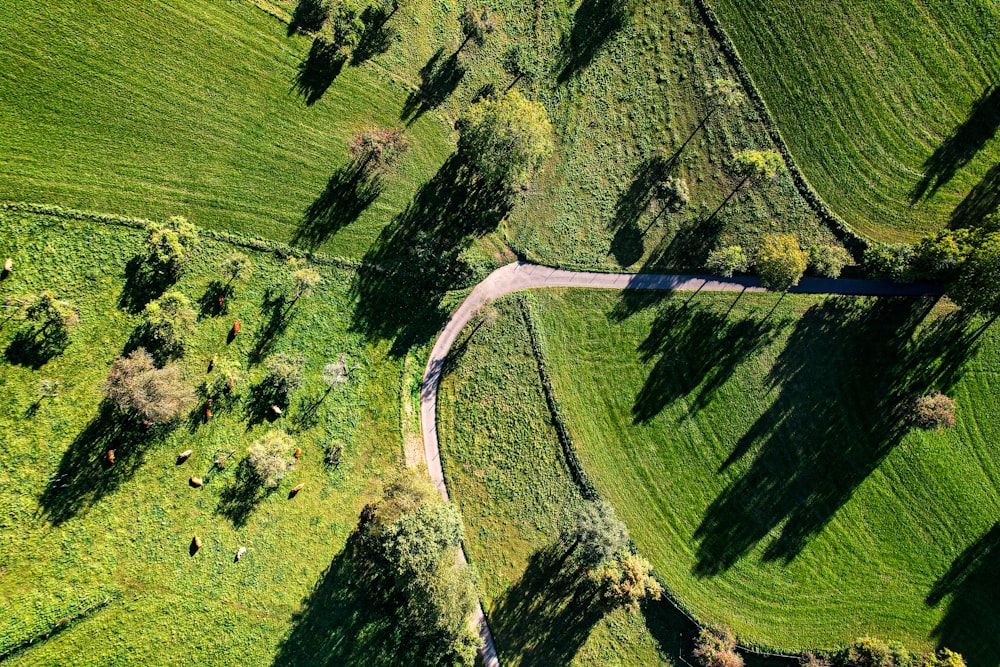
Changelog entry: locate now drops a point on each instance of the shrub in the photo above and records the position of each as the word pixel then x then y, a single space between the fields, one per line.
pixel 889 261
pixel 672 194
pixel 727 260
pixel 270 457
pixel 716 647
pixel 626 580
pixel 931 411
pixel 476 25
pixel 168 321
pixel 224 380
pixel 142 391
pixel 284 375
pixel 828 260
pixel 596 533
pixel 780 261
pixel 169 245
pixel 378 148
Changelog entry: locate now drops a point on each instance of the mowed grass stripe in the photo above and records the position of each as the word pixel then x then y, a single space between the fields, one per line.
pixel 865 92
pixel 154 109
pixel 762 484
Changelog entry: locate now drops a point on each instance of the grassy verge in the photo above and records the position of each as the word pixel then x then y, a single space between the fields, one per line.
pixel 77 532
pixel 889 108
pixel 750 444
pixel 506 470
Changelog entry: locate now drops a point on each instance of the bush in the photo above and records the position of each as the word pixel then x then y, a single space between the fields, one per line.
pixel 626 580
pixel 828 260
pixel 168 321
pixel 780 261
pixel 889 261
pixel 378 148
pixel 716 647
pixel 931 411
pixel 169 245
pixel 596 534
pixel 270 457
pixel 727 260
pixel 142 391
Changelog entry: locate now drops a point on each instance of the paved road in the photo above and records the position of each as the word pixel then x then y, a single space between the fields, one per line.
pixel 522 275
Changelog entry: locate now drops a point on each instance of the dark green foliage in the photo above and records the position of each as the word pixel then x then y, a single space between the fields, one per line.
pixel 889 261
pixel 284 375
pixel 596 534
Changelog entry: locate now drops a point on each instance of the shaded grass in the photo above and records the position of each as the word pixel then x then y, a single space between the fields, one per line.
pixel 155 109
pixel 78 530
pixel 505 469
pixel 750 443
pixel 891 109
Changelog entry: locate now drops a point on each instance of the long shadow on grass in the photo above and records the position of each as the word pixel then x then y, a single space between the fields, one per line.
pixel 546 617
pixel 696 348
pixel 33 348
pixel 438 79
pixel 627 246
pixel 839 381
pixel 238 500
pixel 276 313
pixel 347 194
pixel 377 38
pixel 84 476
pixel 971 624
pixel 142 284
pixel 316 73
pixel 352 617
pixel 981 201
pixel 594 23
pixel 400 285
pixel 963 144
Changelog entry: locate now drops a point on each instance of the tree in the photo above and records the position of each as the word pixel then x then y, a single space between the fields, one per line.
pixel 304 282
pixel 476 25
pixel 224 381
pixel 755 167
pixel 342 28
pixel 237 267
pixel 596 533
pixel 413 535
pixel 931 411
pixel 144 392
pixel 53 317
pixel 168 321
pixel 506 138
pixel 270 457
pixel 780 262
pixel 521 64
pixel 828 260
pixel 721 94
pixel 284 375
pixel 169 245
pixel 977 287
pixel 378 148
pixel 338 373
pixel 727 260
pixel 716 647
pixel 626 580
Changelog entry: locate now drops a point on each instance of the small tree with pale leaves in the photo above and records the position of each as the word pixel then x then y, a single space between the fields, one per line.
pixel 144 392
pixel 626 581
pixel 270 457
pixel 476 24
pixel 727 260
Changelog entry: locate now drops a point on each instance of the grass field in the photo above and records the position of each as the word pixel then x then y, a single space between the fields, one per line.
pixel 890 108
pixel 749 443
pixel 194 108
pixel 505 469
pixel 189 108
pixel 77 534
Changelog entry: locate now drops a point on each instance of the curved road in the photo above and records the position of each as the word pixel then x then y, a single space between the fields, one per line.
pixel 522 275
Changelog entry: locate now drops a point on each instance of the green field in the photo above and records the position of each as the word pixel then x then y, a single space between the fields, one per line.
pixel 750 445
pixel 188 108
pixel 192 108
pixel 77 533
pixel 890 108
pixel 504 467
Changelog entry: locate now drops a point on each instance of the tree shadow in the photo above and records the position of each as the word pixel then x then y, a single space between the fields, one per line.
pixel 627 245
pixel 354 616
pixel 350 190
pixel 594 22
pixel 277 316
pixel 319 69
pixel 847 367
pixel 971 625
pixel 696 348
pixel 257 408
pixel 142 284
pixel 405 274
pixel 438 79
pixel 377 38
pixel 33 348
pixel 213 302
pixel 981 201
pixel 85 476
pixel 238 500
pixel 547 616
pixel 308 16
pixel 963 145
